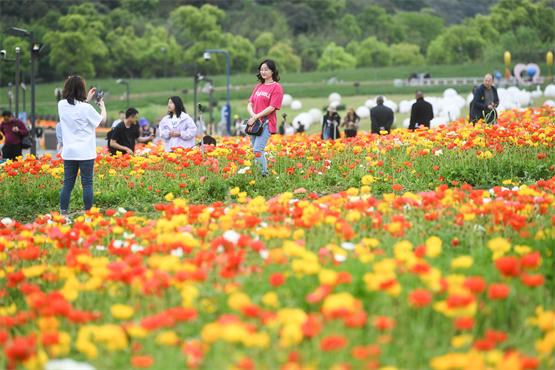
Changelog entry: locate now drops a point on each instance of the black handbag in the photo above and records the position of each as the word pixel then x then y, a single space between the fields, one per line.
pixel 256 128
pixel 26 142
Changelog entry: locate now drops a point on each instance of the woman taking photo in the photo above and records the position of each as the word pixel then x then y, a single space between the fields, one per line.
pixel 177 129
pixel 351 123
pixel 78 121
pixel 264 101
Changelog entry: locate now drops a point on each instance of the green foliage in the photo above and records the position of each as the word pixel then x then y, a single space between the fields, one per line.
pixel 508 15
pixel 370 52
pixel 374 21
pixel 285 57
pixel 263 43
pixel 335 57
pixel 419 28
pixel 406 54
pixel 458 44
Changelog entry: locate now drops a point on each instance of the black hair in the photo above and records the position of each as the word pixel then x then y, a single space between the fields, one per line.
pixel 179 107
pixel 131 112
pixel 272 66
pixel 74 89
pixel 6 113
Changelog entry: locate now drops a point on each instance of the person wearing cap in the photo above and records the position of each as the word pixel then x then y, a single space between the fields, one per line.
pixel 381 117
pixel 421 112
pixel 145 130
pixel 14 131
pixel 330 124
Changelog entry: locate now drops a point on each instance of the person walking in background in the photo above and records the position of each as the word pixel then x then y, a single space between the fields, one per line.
pixel 264 101
pixel 177 129
pixel 14 131
pixel 381 117
pixel 351 123
pixel 485 101
pixel 79 121
pixel 330 124
pixel 421 112
pixel 121 117
pixel 59 138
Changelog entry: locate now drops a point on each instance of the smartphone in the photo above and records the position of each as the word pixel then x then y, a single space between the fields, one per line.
pixel 99 94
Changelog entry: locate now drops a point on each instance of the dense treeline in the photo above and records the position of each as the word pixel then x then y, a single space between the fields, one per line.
pixel 154 38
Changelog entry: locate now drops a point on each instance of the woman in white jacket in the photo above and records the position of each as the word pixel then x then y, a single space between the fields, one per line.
pixel 177 129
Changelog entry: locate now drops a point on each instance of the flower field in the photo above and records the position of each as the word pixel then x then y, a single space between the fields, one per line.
pixel 425 250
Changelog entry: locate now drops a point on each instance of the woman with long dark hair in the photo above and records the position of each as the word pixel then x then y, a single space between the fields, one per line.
pixel 264 101
pixel 78 121
pixel 177 129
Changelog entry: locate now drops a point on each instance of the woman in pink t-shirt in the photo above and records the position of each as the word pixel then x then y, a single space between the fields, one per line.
pixel 264 101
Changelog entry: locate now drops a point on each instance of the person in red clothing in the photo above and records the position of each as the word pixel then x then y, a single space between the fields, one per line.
pixel 14 131
pixel 264 101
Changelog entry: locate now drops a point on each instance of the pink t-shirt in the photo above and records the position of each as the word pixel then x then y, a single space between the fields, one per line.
pixel 264 96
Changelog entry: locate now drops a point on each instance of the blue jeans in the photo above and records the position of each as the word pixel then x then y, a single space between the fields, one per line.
pixel 258 144
pixel 70 175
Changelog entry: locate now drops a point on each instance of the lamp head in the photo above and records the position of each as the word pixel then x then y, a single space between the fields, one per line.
pixel 206 56
pixel 3 54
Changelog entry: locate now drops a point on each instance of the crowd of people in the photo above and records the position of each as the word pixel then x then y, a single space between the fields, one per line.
pixel 78 120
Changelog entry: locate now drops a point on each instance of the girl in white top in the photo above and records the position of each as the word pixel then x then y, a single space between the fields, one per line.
pixel 78 121
pixel 177 129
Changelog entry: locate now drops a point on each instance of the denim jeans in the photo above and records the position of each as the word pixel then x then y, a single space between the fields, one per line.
pixel 258 144
pixel 70 175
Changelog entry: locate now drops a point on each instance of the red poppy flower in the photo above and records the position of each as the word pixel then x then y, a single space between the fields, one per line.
pixel 142 361
pixel 475 284
pixel 464 323
pixel 532 280
pixel 420 298
pixel 333 343
pixel 277 279
pixel 509 266
pixel 498 291
pixel 531 260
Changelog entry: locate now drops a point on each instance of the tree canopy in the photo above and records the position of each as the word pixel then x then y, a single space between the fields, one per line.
pixel 152 38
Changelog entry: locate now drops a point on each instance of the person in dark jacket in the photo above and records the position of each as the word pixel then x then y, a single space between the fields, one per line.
pixel 421 112
pixel 485 101
pixel 381 117
pixel 14 131
pixel 330 124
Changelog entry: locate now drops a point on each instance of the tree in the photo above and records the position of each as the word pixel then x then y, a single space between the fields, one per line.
pixel 508 15
pixel 142 7
pixel 309 49
pixel 285 57
pixel 77 47
pixel 335 57
pixel 370 52
pixel 190 25
pixel 406 54
pixel 263 43
pixel 349 27
pixel 246 22
pixel 376 22
pixel 419 28
pixel 458 44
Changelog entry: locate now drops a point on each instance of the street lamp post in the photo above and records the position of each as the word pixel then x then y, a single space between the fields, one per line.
pixel 23 90
pixel 126 83
pixel 198 77
pixel 34 53
pixel 228 84
pixel 10 96
pixel 17 79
